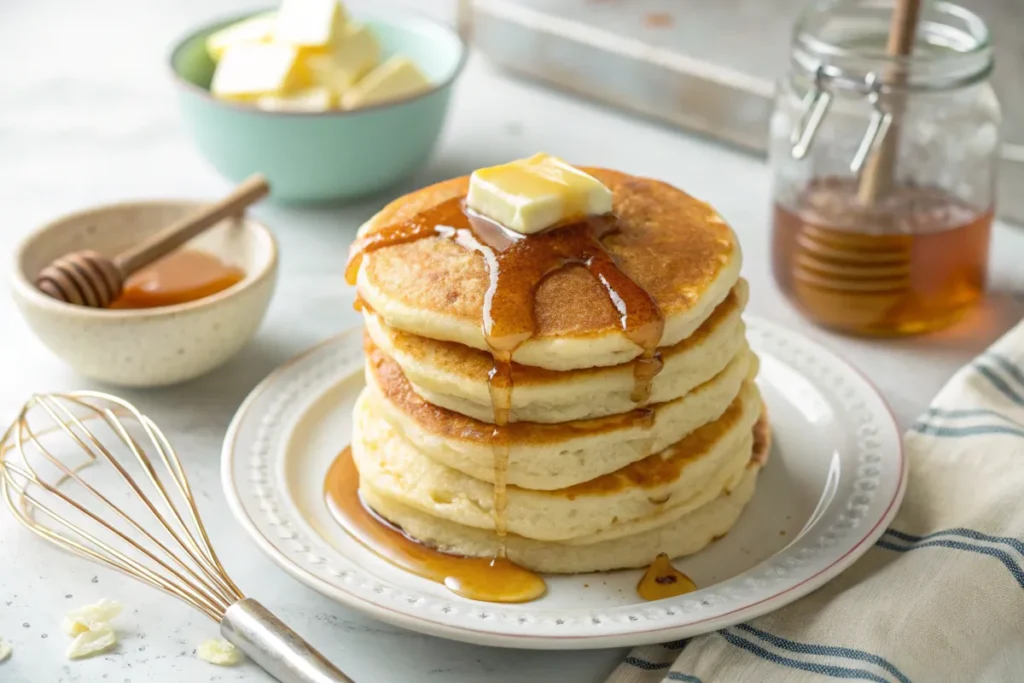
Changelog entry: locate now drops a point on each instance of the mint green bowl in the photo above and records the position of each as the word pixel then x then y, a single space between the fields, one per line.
pixel 324 156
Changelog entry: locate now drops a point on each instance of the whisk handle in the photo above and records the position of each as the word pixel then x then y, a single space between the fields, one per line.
pixel 251 628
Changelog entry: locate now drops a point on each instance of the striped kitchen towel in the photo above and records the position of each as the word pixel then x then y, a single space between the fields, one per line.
pixel 939 598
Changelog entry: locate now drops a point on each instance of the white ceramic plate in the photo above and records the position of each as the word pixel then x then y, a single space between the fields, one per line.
pixel 833 482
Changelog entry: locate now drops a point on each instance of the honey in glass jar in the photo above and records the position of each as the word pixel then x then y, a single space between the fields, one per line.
pixel 910 255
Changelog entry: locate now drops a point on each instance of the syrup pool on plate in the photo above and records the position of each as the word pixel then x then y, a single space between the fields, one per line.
pixel 662 580
pixel 478 578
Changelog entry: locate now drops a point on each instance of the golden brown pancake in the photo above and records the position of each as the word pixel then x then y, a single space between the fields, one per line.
pixel 548 456
pixel 454 376
pixel 671 244
pixel 682 477
pixel 676 536
pixel 475 364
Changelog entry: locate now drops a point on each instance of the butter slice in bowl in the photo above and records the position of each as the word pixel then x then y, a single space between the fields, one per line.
pixel 250 71
pixel 317 98
pixel 350 57
pixel 394 79
pixel 299 136
pixel 530 195
pixel 309 23
pixel 257 29
pixel 325 49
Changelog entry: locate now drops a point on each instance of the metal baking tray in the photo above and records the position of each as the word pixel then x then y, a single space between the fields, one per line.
pixel 707 66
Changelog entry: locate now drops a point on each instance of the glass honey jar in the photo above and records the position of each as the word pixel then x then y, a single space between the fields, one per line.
pixel 884 168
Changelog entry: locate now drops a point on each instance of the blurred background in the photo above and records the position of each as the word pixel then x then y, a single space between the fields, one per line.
pixel 705 66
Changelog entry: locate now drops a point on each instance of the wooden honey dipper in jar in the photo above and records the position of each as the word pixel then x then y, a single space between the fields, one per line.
pixel 884 147
pixel 88 278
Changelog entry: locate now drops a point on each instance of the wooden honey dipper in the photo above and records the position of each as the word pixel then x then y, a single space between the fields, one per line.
pixel 88 278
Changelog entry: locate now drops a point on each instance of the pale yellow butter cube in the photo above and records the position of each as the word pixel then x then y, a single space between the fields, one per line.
pixel 532 194
pixel 316 98
pixel 309 23
pixel 247 72
pixel 352 54
pixel 258 29
pixel 395 79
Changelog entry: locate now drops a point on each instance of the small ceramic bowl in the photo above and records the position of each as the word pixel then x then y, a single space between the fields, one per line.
pixel 154 346
pixel 324 156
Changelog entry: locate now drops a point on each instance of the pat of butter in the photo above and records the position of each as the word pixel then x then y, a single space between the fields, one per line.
pixel 351 55
pixel 258 29
pixel 250 71
pixel 5 650
pixel 532 194
pixel 308 23
pixel 396 78
pixel 219 652
pixel 316 98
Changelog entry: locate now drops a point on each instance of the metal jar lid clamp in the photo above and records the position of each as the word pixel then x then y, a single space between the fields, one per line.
pixel 816 105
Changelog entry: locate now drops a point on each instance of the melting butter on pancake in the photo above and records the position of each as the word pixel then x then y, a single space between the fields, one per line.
pixel 546 456
pixel 674 246
pixel 662 486
pixel 454 376
pixel 682 536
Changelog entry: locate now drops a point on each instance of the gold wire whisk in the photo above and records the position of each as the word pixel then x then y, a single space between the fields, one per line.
pixel 167 546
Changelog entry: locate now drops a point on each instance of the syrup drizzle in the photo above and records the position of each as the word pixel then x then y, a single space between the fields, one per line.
pixel 516 266
pixel 477 578
pixel 645 369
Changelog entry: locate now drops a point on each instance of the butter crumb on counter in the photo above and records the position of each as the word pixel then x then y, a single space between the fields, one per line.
pixel 219 652
pixel 97 639
pixel 81 619
pixel 91 629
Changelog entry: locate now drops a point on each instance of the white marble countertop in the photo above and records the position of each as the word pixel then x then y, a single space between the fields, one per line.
pixel 87 116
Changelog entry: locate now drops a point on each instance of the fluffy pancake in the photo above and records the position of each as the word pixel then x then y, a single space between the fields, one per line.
pixel 684 535
pixel 544 456
pixel 647 493
pixel 674 246
pixel 454 376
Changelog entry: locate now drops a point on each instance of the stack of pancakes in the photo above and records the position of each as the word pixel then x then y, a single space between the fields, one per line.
pixel 596 480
